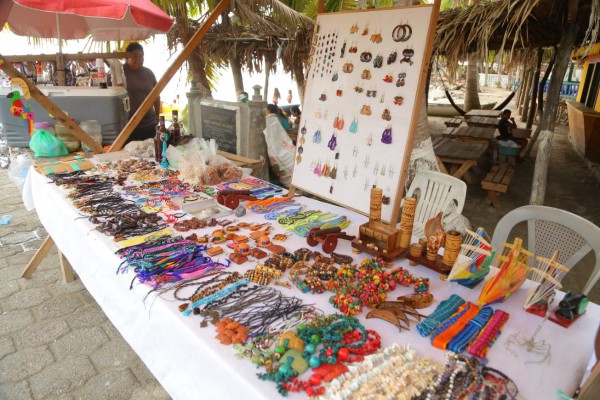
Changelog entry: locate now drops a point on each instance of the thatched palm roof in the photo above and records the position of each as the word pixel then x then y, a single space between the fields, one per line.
pixel 504 25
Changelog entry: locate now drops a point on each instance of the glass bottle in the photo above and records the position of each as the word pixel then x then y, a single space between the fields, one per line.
pixel 175 129
pixel 160 129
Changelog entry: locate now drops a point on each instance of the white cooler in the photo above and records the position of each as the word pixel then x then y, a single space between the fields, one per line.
pixel 110 107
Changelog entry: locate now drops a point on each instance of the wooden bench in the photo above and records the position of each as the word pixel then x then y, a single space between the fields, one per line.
pixel 497 181
pixel 453 122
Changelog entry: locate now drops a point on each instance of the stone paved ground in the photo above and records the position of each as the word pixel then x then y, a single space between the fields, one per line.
pixel 56 343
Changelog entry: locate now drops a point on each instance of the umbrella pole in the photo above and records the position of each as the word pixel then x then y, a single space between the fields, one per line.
pixel 60 61
pixel 177 63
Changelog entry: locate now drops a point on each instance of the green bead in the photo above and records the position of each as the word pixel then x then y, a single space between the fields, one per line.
pixel 302 326
pixel 315 339
pixel 280 349
pixel 284 369
pixel 310 348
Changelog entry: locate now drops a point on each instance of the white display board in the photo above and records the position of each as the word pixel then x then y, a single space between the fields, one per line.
pixel 366 78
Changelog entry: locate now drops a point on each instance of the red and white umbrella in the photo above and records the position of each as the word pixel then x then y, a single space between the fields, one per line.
pixel 76 19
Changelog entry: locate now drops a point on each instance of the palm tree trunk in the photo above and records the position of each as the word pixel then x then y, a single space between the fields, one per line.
pixel 236 71
pixel 540 173
pixel 471 95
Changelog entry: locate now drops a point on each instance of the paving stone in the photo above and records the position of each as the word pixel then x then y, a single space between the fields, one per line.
pixel 83 341
pixel 41 333
pixel 62 377
pixel 17 366
pixel 6 347
pixel 112 332
pixel 32 245
pixel 86 316
pixel 60 288
pixel 15 391
pixel 26 299
pixel 87 297
pixel 10 250
pixel 13 321
pixel 18 237
pixel 8 288
pixel 58 306
pixel 142 372
pixel 20 258
pixel 113 354
pixel 150 391
pixel 41 278
pixel 109 385
pixel 10 273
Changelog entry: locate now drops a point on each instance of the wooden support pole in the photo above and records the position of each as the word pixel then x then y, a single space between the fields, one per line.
pixel 37 258
pixel 525 111
pixel 534 91
pixel 177 63
pixel 52 108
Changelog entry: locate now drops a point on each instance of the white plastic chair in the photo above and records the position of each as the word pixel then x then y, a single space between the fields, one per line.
pixel 435 192
pixel 550 229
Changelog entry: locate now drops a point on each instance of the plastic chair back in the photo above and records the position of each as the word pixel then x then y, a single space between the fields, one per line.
pixel 550 229
pixel 435 192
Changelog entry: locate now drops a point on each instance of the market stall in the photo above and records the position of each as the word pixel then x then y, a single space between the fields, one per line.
pixel 188 360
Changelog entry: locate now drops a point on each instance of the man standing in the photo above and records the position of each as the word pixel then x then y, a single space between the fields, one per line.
pixel 139 82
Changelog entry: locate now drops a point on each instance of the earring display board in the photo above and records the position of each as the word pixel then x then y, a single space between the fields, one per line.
pixel 364 86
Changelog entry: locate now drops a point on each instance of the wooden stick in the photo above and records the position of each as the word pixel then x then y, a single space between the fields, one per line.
pixel 37 258
pixel 66 268
pixel 153 95
pixel 52 108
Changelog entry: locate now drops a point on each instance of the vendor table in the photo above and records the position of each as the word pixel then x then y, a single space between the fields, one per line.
pixel 483 113
pixel 461 155
pixel 485 122
pixel 190 364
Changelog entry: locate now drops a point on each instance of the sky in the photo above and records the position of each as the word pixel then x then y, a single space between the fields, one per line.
pixel 158 60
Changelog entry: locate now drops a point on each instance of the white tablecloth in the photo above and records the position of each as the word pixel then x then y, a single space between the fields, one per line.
pixel 190 364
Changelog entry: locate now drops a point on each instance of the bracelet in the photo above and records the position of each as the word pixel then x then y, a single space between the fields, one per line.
pixel 461 341
pixel 443 336
pixel 443 311
pixel 489 334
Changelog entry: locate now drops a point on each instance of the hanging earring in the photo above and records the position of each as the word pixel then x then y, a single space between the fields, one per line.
pixel 386 137
pixel 370 139
pixel 317 136
pixel 354 126
pixel 332 142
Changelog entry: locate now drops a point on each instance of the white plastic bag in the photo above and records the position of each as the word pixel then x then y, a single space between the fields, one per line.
pixel 281 150
pixel 143 148
pixel 19 168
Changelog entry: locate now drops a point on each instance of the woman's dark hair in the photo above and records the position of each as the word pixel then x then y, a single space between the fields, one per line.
pixel 273 109
pixel 295 109
pixel 134 46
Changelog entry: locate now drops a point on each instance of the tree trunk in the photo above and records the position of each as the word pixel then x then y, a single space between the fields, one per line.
pixel 540 173
pixel 520 76
pixel 268 65
pixel 300 79
pixel 471 95
pixel 534 92
pixel 236 71
pixel 525 111
pixel 540 108
pixel 486 70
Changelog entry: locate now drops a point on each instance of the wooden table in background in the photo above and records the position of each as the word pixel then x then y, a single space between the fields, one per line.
pixel 473 134
pixel 483 113
pixel 462 156
pixel 484 122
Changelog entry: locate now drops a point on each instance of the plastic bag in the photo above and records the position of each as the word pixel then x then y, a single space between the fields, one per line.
pixel 141 148
pixel 19 168
pixel 198 163
pixel 44 144
pixel 281 150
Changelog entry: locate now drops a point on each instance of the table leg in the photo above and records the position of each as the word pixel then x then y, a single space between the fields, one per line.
pixel 37 258
pixel 66 268
pixel 463 168
pixel 494 199
pixel 441 166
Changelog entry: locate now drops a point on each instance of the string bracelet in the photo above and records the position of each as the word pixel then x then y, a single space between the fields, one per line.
pixel 489 334
pixel 443 311
pixel 460 342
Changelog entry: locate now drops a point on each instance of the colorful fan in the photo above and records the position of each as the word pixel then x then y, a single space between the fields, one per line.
pixel 513 272
pixel 474 259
